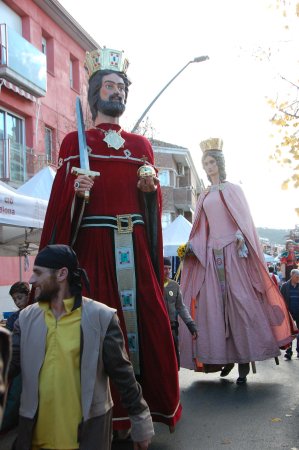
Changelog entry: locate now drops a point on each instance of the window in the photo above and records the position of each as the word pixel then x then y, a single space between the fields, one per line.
pixel 48 50
pixel 74 74
pixel 2 146
pixel 44 46
pixel 71 74
pixel 10 18
pixel 3 46
pixel 164 177
pixel 12 147
pixel 48 144
pixel 166 219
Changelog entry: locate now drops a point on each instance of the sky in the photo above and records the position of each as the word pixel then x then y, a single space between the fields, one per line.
pixel 225 96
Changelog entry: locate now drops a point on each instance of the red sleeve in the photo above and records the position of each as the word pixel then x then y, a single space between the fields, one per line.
pixel 58 220
pixel 155 222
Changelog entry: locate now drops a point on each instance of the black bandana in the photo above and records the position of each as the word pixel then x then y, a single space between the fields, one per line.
pixel 56 257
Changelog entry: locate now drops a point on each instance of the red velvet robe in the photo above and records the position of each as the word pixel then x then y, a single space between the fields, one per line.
pixel 115 192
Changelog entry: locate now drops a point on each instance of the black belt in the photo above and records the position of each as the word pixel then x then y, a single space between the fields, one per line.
pixel 123 223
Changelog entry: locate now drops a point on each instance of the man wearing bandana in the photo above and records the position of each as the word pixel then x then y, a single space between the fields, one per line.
pixel 117 234
pixel 67 347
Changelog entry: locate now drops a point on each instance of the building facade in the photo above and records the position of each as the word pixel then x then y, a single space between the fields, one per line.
pixel 42 49
pixel 179 181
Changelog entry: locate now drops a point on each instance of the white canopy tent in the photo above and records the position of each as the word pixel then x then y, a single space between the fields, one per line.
pixel 175 234
pixel 21 220
pixel 40 185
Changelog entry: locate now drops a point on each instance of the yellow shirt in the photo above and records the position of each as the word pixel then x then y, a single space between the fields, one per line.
pixel 59 411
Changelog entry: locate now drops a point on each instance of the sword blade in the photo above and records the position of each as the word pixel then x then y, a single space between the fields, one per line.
pixel 84 160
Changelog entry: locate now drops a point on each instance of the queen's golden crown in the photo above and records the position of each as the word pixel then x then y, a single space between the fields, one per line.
pixel 105 59
pixel 211 144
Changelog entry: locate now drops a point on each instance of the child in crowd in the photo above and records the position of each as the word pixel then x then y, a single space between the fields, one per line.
pixel 19 292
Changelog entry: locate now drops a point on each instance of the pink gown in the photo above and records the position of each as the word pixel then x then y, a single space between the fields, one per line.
pixel 234 328
pixel 241 316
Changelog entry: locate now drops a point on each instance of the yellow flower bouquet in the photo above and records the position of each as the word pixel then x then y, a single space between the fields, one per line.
pixel 181 251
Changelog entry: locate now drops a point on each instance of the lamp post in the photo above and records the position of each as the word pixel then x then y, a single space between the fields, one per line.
pixel 195 60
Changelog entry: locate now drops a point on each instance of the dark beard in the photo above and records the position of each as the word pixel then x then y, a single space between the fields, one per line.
pixel 48 293
pixel 111 108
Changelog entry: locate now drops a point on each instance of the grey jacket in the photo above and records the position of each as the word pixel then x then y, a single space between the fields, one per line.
pixel 102 355
pixel 5 355
pixel 175 305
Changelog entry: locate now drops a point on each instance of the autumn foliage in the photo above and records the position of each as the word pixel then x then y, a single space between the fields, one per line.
pixel 286 115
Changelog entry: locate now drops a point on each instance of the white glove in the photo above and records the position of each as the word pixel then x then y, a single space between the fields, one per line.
pixel 242 248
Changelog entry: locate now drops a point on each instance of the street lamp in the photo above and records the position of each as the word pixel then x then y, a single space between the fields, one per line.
pixel 195 60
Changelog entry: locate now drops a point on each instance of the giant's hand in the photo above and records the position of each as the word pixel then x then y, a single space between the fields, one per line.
pixel 82 184
pixel 188 250
pixel 141 445
pixel 240 243
pixel 148 184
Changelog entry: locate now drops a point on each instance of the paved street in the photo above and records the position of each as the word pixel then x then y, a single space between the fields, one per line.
pixel 220 415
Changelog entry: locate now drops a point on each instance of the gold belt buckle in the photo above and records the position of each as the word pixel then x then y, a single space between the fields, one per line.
pixel 124 229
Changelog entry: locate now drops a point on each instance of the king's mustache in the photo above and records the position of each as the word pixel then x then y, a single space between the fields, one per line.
pixel 115 97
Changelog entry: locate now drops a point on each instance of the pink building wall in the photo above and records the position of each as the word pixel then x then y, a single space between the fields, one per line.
pixel 57 109
pixel 13 269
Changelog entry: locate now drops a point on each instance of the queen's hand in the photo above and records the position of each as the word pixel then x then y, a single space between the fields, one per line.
pixel 188 250
pixel 240 243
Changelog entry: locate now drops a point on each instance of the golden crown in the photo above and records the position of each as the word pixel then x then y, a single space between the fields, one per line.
pixel 211 144
pixel 105 59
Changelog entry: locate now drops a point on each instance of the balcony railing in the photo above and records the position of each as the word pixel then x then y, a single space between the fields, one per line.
pixel 184 198
pixel 19 164
pixel 22 63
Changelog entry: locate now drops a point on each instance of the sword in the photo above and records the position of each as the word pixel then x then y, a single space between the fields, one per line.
pixel 84 168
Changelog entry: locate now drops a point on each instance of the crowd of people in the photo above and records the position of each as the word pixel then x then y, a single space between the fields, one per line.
pixel 96 343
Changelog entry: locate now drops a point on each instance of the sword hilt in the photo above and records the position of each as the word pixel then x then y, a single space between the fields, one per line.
pixel 90 173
